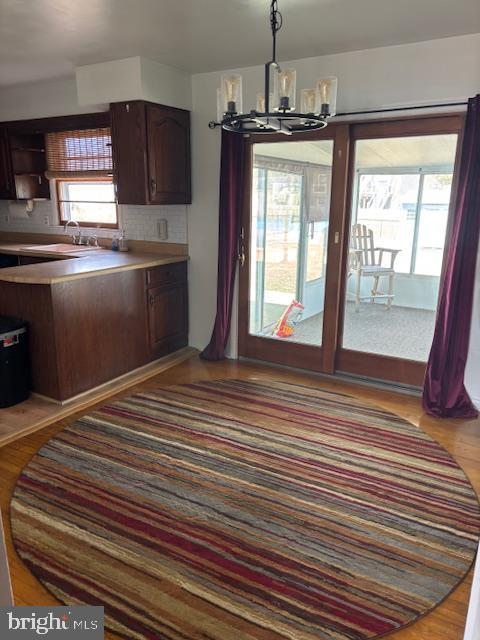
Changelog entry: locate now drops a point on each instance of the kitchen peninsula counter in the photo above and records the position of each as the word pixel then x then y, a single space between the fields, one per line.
pixel 79 262
pixel 93 314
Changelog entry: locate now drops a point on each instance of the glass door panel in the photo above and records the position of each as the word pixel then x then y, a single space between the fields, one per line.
pixel 291 188
pixel 432 223
pixel 402 189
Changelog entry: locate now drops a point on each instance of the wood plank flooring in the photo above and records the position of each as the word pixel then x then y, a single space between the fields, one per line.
pixel 38 412
pixel 461 438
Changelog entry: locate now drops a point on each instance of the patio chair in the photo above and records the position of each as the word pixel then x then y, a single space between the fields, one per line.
pixel 365 259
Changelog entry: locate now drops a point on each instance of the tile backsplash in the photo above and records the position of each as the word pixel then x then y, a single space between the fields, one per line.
pixel 139 222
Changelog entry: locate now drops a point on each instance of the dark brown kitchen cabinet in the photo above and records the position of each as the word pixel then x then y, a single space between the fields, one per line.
pixel 167 302
pixel 28 164
pixel 126 319
pixel 151 153
pixel 7 191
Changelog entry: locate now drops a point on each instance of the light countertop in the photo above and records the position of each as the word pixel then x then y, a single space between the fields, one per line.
pixel 70 263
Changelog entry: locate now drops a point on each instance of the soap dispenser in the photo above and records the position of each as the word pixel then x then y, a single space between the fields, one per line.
pixel 123 242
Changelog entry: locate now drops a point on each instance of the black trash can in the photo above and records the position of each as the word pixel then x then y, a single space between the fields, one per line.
pixel 14 361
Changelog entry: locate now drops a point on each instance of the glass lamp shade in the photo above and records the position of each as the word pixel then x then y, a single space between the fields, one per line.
pixel 231 92
pixel 327 96
pixel 308 100
pixel 261 107
pixel 220 111
pixel 260 103
pixel 284 89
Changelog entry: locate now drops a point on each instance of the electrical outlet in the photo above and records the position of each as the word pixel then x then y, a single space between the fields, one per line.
pixel 162 226
pixel 46 220
pixel 6 218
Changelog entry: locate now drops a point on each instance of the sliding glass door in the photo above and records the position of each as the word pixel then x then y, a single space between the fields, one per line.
pixel 290 247
pixel 344 234
pixel 401 189
pixel 291 187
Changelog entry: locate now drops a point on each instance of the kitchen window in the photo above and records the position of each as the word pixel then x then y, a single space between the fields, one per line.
pixel 90 203
pixel 80 165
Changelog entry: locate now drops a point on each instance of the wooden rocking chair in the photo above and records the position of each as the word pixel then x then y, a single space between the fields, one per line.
pixel 367 260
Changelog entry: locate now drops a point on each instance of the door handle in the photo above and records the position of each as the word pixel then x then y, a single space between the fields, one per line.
pixel 151 300
pixel 153 185
pixel 241 256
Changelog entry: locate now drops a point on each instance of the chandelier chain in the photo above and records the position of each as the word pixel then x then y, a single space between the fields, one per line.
pixel 276 21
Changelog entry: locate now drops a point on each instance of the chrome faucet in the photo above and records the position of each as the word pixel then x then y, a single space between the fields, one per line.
pixel 76 239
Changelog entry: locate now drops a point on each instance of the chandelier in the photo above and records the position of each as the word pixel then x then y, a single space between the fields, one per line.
pixel 275 110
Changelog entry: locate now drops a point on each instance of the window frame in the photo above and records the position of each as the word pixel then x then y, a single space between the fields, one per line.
pixel 85 224
pixel 421 173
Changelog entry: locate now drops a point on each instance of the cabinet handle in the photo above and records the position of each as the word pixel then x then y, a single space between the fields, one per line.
pixel 153 185
pixel 151 300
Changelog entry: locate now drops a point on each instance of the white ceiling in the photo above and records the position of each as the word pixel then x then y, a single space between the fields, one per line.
pixel 414 152
pixel 42 39
pixel 382 153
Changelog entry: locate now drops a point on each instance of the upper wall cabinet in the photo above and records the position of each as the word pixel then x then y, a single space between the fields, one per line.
pixel 29 165
pixel 22 166
pixel 151 153
pixel 7 191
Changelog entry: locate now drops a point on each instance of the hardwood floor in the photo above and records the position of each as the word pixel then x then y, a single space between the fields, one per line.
pixel 38 412
pixel 460 438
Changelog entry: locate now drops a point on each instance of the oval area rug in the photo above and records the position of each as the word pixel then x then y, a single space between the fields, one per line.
pixel 249 510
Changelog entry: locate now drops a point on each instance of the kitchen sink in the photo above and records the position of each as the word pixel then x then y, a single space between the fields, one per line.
pixel 59 248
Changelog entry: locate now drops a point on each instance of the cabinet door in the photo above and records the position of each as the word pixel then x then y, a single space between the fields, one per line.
pixel 167 318
pixel 168 142
pixel 129 149
pixel 6 177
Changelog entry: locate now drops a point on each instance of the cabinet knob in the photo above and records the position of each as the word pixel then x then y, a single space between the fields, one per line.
pixel 151 300
pixel 153 185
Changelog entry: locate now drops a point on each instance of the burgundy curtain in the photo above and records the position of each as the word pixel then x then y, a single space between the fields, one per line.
pixel 231 198
pixel 444 392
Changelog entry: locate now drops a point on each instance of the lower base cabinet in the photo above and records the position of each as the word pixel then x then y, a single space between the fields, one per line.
pixel 87 331
pixel 167 304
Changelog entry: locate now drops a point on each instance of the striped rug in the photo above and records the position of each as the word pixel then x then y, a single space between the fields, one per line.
pixel 246 510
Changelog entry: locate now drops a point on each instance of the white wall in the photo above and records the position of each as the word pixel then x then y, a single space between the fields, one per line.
pixel 472 374
pixel 43 99
pixel 472 627
pixel 422 73
pixel 134 78
pixel 415 292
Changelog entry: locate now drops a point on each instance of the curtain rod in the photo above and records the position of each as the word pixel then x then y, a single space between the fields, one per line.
pixel 389 110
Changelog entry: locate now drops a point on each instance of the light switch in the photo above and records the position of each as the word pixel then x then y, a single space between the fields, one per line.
pixel 162 229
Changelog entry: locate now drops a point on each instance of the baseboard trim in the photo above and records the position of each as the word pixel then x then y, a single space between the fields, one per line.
pixel 15 422
pixel 476 401
pixel 131 377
